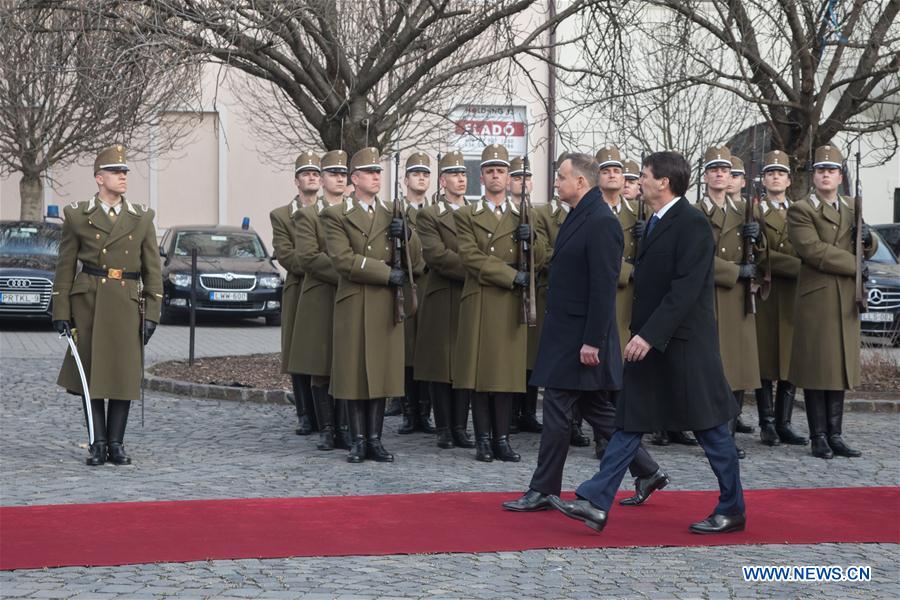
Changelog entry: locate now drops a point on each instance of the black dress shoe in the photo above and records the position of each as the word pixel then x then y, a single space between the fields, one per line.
pixel 530 424
pixel 375 450
pixel 580 510
pixel 117 454
pixel 97 455
pixel 680 437
pixel 720 524
pixel 660 438
pixel 503 451
pixel 644 486
pixel 530 501
pixel 836 443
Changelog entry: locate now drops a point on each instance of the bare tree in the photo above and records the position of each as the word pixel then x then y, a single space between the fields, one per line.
pixel 73 80
pixel 814 69
pixel 350 74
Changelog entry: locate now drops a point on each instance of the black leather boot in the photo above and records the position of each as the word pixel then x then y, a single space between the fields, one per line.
pixel 481 420
pixel 815 417
pixel 97 451
pixel 374 427
pixel 409 404
pixel 784 406
pixel 660 438
pixel 576 435
pixel 732 424
pixel 116 420
pixel 342 439
pixel 356 417
pixel 766 409
pixel 740 426
pixel 600 444
pixel 834 410
pixel 517 402
pixel 528 420
pixel 501 407
pixel 325 417
pixel 459 419
pixel 425 425
pixel 301 386
pixel 441 398
pixel 394 408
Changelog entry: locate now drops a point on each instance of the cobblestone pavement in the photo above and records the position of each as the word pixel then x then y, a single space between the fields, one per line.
pixel 197 449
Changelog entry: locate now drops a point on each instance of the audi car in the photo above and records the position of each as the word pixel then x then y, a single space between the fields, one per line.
pixel 236 274
pixel 883 316
pixel 28 255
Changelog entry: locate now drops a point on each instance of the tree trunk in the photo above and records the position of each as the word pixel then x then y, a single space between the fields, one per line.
pixel 31 191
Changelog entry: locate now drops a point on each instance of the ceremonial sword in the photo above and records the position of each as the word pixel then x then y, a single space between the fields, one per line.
pixel 86 393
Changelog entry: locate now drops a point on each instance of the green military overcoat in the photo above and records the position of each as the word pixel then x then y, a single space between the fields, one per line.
pixel 367 346
pixel 627 214
pixel 492 343
pixel 775 314
pixel 548 218
pixel 410 326
pixel 284 245
pixel 438 316
pixel 737 329
pixel 825 349
pixel 105 311
pixel 316 305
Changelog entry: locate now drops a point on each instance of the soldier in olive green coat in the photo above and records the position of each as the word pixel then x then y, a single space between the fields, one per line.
pixel 115 242
pixel 737 329
pixel 775 314
pixel 438 316
pixel 367 352
pixel 316 305
pixel 307 178
pixel 416 403
pixel 825 349
pixel 492 344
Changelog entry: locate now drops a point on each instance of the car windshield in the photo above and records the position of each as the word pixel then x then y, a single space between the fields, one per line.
pixel 883 254
pixel 33 239
pixel 219 245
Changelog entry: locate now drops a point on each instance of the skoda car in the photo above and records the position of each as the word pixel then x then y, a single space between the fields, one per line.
pixel 28 255
pixel 237 276
pixel 883 317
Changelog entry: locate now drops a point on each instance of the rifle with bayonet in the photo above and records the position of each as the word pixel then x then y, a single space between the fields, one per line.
pixel 752 286
pixel 399 212
pixel 862 297
pixel 526 258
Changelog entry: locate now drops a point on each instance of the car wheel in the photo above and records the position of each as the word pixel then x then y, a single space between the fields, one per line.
pixel 273 320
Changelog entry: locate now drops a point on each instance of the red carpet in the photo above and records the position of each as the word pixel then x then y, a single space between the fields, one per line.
pixel 149 532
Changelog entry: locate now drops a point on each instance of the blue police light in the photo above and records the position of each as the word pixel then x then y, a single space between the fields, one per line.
pixel 52 211
pixel 245 224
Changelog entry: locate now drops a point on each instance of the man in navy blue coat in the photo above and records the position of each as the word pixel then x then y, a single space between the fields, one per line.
pixel 579 359
pixel 673 377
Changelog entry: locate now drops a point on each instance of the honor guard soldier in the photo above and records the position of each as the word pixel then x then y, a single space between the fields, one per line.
pixel 315 309
pixel 738 179
pixel 737 329
pixel 438 316
pixel 416 403
pixel 307 179
pixel 631 189
pixel 492 343
pixel 99 306
pixel 775 314
pixel 825 349
pixel 525 407
pixel 367 345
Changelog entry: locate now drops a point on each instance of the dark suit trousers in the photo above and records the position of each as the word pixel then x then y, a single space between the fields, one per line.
pixel 598 409
pixel 717 443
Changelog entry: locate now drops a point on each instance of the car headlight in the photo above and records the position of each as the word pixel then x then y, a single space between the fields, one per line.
pixel 269 281
pixel 180 279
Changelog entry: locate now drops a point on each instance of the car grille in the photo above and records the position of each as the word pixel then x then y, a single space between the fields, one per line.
pixel 249 306
pixel 882 299
pixel 40 285
pixel 228 282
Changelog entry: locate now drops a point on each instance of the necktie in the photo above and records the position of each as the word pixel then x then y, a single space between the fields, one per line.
pixel 653 221
pixel 112 214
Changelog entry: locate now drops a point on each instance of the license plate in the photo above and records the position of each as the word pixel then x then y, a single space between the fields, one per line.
pixel 19 298
pixel 228 296
pixel 877 317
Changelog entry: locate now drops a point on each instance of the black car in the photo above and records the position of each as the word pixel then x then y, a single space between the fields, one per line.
pixel 237 276
pixel 890 233
pixel 883 316
pixel 28 255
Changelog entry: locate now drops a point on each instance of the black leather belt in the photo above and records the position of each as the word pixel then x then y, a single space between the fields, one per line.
pixel 111 273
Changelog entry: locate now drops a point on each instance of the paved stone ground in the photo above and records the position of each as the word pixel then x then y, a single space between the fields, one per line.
pixel 195 449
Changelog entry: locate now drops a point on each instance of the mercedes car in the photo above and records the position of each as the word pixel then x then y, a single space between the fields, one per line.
pixel 28 255
pixel 883 286
pixel 236 274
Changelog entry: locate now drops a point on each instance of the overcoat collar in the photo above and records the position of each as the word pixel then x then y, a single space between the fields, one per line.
pixel 664 224
pixel 586 207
